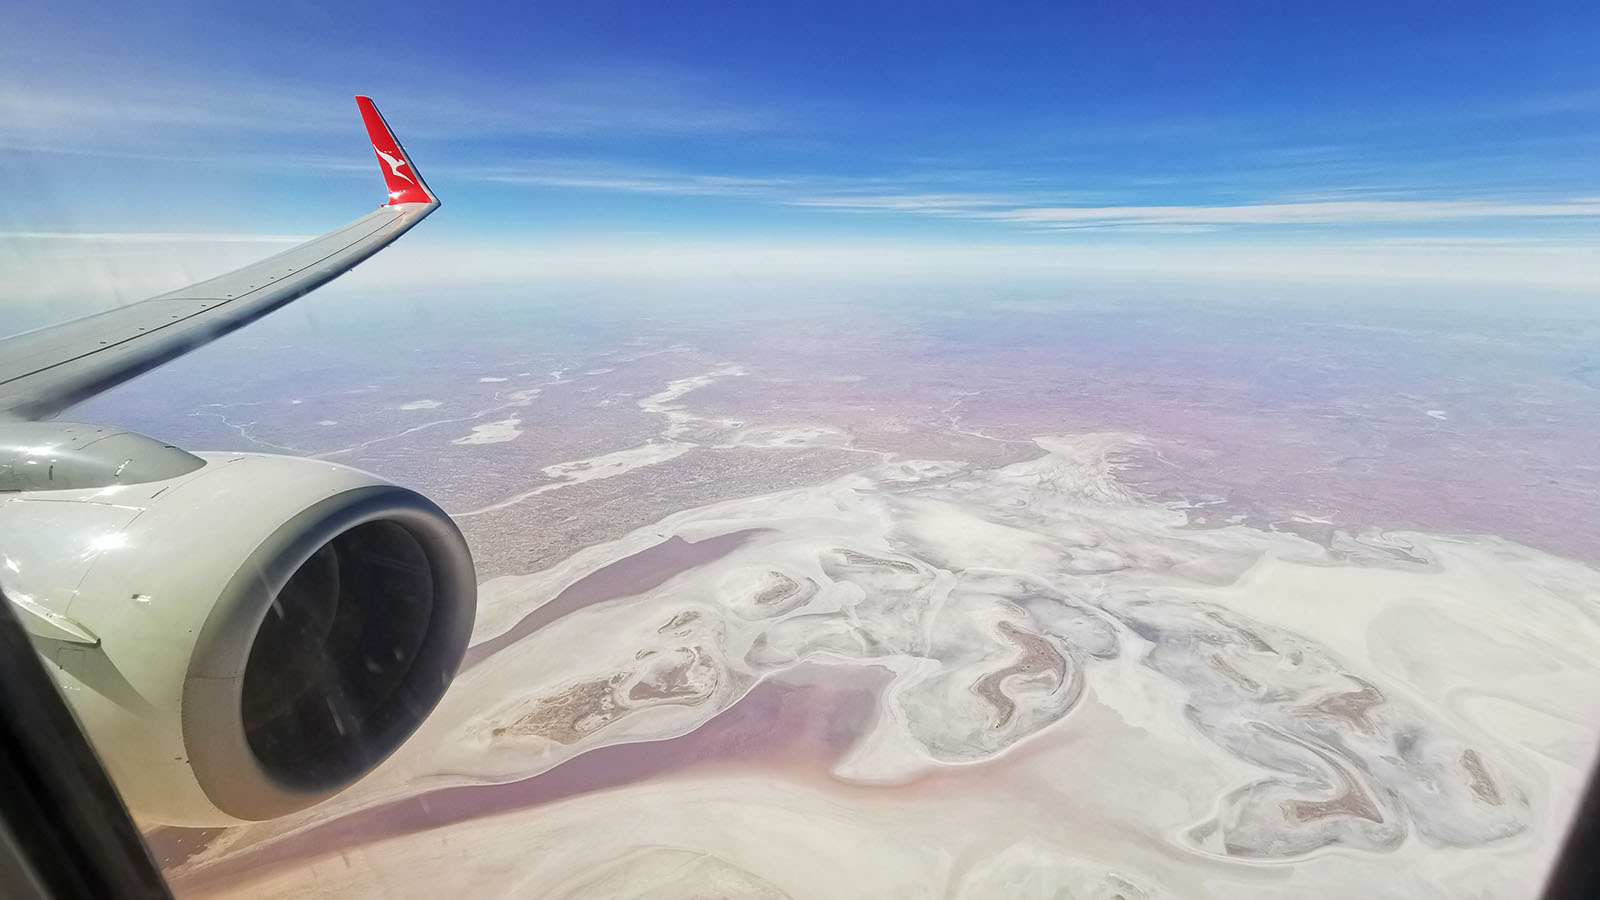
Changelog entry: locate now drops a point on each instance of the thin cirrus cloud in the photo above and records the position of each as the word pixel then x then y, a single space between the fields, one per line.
pixel 593 175
pixel 1308 213
pixel 130 116
pixel 835 192
pixel 1325 212
pixel 943 195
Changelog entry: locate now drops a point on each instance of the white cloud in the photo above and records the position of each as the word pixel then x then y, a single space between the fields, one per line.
pixel 1318 212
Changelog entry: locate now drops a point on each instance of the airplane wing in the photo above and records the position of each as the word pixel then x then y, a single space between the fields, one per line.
pixel 42 372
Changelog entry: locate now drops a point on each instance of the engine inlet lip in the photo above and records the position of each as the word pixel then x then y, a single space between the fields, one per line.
pixel 220 755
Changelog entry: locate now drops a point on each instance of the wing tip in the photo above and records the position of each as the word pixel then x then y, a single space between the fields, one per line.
pixel 399 175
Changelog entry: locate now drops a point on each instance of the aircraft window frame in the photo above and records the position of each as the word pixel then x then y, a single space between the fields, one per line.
pixel 64 831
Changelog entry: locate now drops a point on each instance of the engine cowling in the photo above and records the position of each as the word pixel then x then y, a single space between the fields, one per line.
pixel 247 637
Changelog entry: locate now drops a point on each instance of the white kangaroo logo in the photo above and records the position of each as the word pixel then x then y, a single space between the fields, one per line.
pixel 395 163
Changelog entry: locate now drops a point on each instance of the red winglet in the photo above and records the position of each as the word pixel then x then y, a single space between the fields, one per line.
pixel 405 183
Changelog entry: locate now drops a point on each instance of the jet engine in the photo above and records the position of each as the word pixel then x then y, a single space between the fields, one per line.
pixel 241 635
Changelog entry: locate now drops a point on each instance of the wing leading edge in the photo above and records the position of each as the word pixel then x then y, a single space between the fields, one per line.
pixel 43 372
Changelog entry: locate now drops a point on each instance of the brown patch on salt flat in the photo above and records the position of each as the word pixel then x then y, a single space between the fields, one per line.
pixel 1350 798
pixel 1038 655
pixel 647 569
pixel 1481 783
pixel 683 675
pixel 1353 706
pixel 854 558
pixel 571 715
pixel 1232 674
pixel 680 623
pixel 1253 640
pixel 1350 801
pixel 782 587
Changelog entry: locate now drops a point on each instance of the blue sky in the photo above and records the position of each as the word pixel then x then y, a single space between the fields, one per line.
pixel 1190 126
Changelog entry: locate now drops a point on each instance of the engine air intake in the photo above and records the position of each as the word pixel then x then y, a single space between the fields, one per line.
pixel 333 643
pixel 333 669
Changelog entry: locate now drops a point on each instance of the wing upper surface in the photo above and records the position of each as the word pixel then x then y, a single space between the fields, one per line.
pixel 45 371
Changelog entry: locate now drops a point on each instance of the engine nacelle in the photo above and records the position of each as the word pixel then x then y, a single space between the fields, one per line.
pixel 244 638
